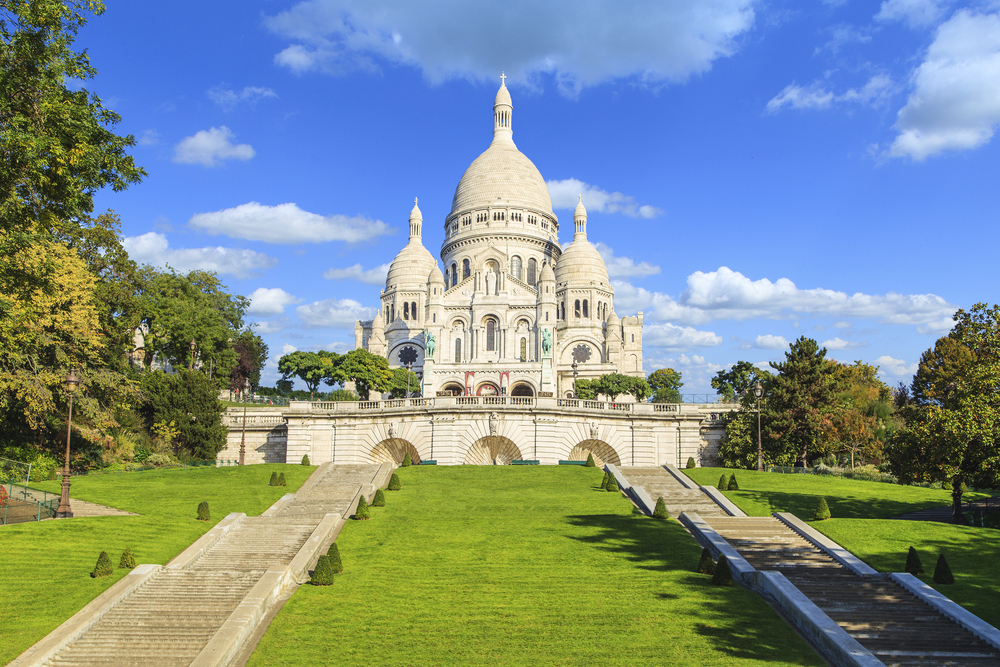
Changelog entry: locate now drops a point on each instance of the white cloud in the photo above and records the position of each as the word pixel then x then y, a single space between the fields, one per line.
pixel 566 193
pixel 624 267
pixel 674 337
pixel 875 92
pixel 955 104
pixel 209 147
pixel 729 295
pixel 914 13
pixel 148 138
pixel 373 276
pixel 845 34
pixel 336 313
pixel 270 301
pixel 942 326
pixel 895 367
pixel 769 342
pixel 153 248
pixel 286 223
pixel 654 41
pixel 227 99
pixel 272 326
pixel 841 325
pixel 839 344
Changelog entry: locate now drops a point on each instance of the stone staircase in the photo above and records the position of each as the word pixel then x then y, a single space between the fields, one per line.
pixel 170 619
pixel 661 484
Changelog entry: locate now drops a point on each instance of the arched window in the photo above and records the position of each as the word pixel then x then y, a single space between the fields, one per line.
pixel 562 314
pixel 458 350
pixel 454 274
pixel 465 269
pixel 532 267
pixel 392 313
pixel 491 335
pixel 515 267
pixel 576 308
pixel 524 349
pixel 406 311
pixel 586 313
pixel 387 314
pixel 413 308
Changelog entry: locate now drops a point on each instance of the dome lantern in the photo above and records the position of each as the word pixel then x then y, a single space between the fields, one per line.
pixel 502 111
pixel 580 220
pixel 416 220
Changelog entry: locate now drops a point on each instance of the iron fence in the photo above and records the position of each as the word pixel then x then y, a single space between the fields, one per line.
pixel 19 504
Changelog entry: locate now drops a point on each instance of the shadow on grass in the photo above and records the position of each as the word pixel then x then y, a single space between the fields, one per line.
pixel 734 620
pixel 803 505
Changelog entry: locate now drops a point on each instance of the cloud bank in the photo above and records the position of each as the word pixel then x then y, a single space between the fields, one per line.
pixel 153 248
pixel 566 194
pixel 288 224
pixel 211 147
pixel 373 276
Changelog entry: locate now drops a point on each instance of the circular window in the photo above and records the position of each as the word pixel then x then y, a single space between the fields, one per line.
pixel 408 355
pixel 581 353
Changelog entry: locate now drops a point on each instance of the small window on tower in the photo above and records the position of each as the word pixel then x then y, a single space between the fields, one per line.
pixel 406 311
pixel 465 269
pixel 413 309
pixel 532 268
pixel 585 311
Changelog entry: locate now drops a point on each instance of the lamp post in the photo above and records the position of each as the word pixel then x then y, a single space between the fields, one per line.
pixel 409 365
pixel 191 347
pixel 758 391
pixel 65 511
pixel 575 366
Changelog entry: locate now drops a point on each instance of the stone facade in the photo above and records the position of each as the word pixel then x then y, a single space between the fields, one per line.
pixel 512 311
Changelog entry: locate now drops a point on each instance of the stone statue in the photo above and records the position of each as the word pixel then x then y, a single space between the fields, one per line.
pixel 491 282
pixel 594 431
pixel 546 341
pixel 391 432
pixel 430 344
pixel 494 423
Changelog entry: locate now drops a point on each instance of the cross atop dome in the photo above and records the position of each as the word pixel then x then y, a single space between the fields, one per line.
pixel 502 77
pixel 502 110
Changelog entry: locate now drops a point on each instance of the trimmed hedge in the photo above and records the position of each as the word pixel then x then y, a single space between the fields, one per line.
pixel 103 567
pixel 706 565
pixel 127 561
pixel 379 499
pixel 394 484
pixel 661 510
pixel 733 485
pixel 407 461
pixel 333 553
pixel 323 573
pixel 604 480
pixel 913 564
pixel 274 479
pixel 203 513
pixel 723 576
pixel 281 480
pixel 942 573
pixel 822 511
pixel 723 482
pixel 590 461
pixel 690 463
pixel 305 459
pixel 612 484
pixel 362 513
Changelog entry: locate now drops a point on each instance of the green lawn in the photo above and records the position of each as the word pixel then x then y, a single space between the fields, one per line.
pixel 471 565
pixel 860 524
pixel 45 569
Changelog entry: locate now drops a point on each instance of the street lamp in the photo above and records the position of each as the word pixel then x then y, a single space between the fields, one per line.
pixel 409 365
pixel 65 511
pixel 191 347
pixel 758 391
pixel 575 366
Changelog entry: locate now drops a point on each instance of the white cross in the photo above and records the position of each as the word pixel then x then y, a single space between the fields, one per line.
pixel 502 77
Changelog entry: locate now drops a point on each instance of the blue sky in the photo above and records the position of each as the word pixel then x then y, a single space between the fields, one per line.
pixel 753 171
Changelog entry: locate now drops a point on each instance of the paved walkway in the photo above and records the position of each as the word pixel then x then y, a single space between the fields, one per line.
pixel 171 618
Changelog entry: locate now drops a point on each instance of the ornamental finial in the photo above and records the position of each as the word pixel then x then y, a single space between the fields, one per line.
pixel 502 77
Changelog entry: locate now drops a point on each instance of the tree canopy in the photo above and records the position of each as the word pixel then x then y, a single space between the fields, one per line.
pixel 310 367
pixel 665 384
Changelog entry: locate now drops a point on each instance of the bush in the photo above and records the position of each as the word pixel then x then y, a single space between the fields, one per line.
pixel 128 560
pixel 158 460
pixel 822 511
pixel 942 573
pixel 379 499
pixel 362 513
pixel 733 486
pixel 407 461
pixel 281 480
pixel 723 482
pixel 612 484
pixel 722 575
pixel 322 573
pixel 661 510
pixel 590 461
pixel 103 567
pixel 333 553
pixel 203 514
pixel 394 484
pixel 690 463
pixel 305 459
pixel 706 565
pixel 274 479
pixel 604 480
pixel 913 564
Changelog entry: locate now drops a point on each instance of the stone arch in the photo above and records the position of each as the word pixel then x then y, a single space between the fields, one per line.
pixel 393 450
pixel 522 388
pixel 455 387
pixel 487 388
pixel 492 450
pixel 602 451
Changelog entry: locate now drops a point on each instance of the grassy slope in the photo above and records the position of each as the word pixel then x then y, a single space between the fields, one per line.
pixel 860 524
pixel 472 565
pixel 45 570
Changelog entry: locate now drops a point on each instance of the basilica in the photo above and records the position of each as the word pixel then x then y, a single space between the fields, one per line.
pixel 512 313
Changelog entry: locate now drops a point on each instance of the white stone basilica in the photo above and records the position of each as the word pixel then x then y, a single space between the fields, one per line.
pixel 512 313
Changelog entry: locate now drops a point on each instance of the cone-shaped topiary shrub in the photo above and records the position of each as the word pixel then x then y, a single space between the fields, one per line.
pixel 281 480
pixel 690 462
pixel 407 461
pixel 127 561
pixel 379 499
pixel 362 513
pixel 722 576
pixel 604 480
pixel 590 461
pixel 942 573
pixel 322 573
pixel 723 482
pixel 733 486
pixel 305 459
pixel 913 564
pixel 612 484
pixel 822 511
pixel 103 567
pixel 333 553
pixel 661 510
pixel 394 484
pixel 274 479
pixel 203 514
pixel 706 565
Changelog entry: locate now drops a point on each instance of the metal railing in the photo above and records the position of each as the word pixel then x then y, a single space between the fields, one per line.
pixel 20 504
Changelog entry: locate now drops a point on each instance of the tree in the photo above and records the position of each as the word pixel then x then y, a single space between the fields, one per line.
pixel 739 380
pixel 310 367
pixel 190 400
pixel 613 385
pixel 665 385
pixel 639 389
pixel 251 352
pixel 584 389
pixel 940 367
pixel 368 371
pixel 403 379
pixel 801 397
pixel 855 432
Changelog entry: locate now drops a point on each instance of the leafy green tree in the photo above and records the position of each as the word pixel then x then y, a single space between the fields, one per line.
pixel 310 367
pixel 940 367
pixel 739 380
pixel 402 380
pixel 190 400
pixel 613 385
pixel 584 389
pixel 368 371
pixel 665 384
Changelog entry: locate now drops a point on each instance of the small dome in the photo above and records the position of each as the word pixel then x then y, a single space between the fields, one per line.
pixel 547 274
pixel 410 268
pixel 435 277
pixel 503 97
pixel 580 263
pixel 580 209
